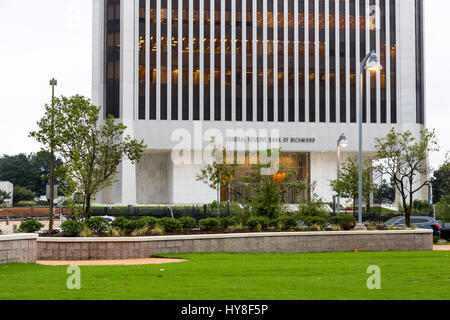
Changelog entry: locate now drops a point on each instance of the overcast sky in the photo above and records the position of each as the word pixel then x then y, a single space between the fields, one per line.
pixel 52 38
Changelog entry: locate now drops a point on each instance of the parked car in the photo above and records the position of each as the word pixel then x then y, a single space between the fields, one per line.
pixel 444 231
pixel 422 222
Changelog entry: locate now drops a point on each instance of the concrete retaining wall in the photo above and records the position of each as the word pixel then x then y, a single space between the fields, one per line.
pixel 18 248
pixel 144 247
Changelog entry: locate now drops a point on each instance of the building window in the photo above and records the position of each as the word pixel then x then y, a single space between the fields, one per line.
pixel 112 58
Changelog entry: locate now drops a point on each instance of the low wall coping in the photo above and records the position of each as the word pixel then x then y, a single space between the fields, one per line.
pixel 230 235
pixel 19 236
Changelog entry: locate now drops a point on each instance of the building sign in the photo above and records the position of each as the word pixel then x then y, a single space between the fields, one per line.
pixel 272 139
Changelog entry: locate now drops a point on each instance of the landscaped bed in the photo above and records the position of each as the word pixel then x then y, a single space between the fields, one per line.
pixel 404 275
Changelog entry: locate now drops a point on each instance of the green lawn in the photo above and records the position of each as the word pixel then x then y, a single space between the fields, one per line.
pixel 404 275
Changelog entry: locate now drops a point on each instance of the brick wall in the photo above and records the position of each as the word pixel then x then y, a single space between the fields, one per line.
pixel 18 248
pixel 144 247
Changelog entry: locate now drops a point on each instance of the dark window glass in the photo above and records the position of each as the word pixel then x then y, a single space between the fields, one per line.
pixel 342 63
pixel 363 53
pixel 196 60
pixel 260 62
pixel 301 62
pixel 239 73
pixel 152 66
pixel 393 55
pixel 185 64
pixel 217 60
pixel 141 48
pixel 163 71
pixel 270 61
pixel 383 91
pixel 420 85
pixel 249 61
pixel 175 45
pixel 312 63
pixel 321 43
pixel 373 75
pixel 207 61
pixel 333 59
pixel 228 54
pixel 352 22
pixel 112 58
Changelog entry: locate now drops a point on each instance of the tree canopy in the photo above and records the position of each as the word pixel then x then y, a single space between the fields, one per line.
pixel 91 149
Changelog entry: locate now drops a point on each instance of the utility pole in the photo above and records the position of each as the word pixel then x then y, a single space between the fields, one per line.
pixel 53 83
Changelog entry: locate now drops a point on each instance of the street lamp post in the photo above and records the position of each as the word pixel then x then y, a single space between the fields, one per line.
pixel 369 63
pixel 342 142
pixel 53 83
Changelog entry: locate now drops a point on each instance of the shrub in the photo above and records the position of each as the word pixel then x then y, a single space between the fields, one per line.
pixel 120 223
pixel 30 226
pixel 209 224
pixel 23 194
pixel 150 222
pixel 72 228
pixel 345 221
pixel 25 203
pixel 97 224
pixel 267 201
pixel 288 222
pixel 258 223
pixel 436 239
pixel 170 225
pixel 315 221
pixel 227 222
pixel 86 232
pixel 188 223
pixel 133 225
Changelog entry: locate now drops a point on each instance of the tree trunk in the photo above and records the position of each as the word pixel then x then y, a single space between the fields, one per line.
pixel 407 210
pixel 87 211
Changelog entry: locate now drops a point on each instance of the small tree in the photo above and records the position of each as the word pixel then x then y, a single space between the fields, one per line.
pixel 403 157
pixel 4 196
pixel 347 186
pixel 441 180
pixel 443 209
pixel 219 173
pixel 91 150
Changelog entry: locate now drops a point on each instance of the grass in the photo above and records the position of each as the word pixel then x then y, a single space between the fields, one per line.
pixel 219 276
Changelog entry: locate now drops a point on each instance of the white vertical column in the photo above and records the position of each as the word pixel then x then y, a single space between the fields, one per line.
pixel 306 61
pixel 255 60
pixel 317 60
pixel 222 60
pixel 169 60
pixel 296 57
pixel 158 59
pixel 147 59
pixel 98 53
pixel 378 74
pixel 286 62
pixel 191 60
pixel 327 61
pixel 201 40
pixel 347 60
pixel 265 95
pixel 275 60
pixel 233 60
pixel 128 36
pixel 388 62
pixel 338 62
